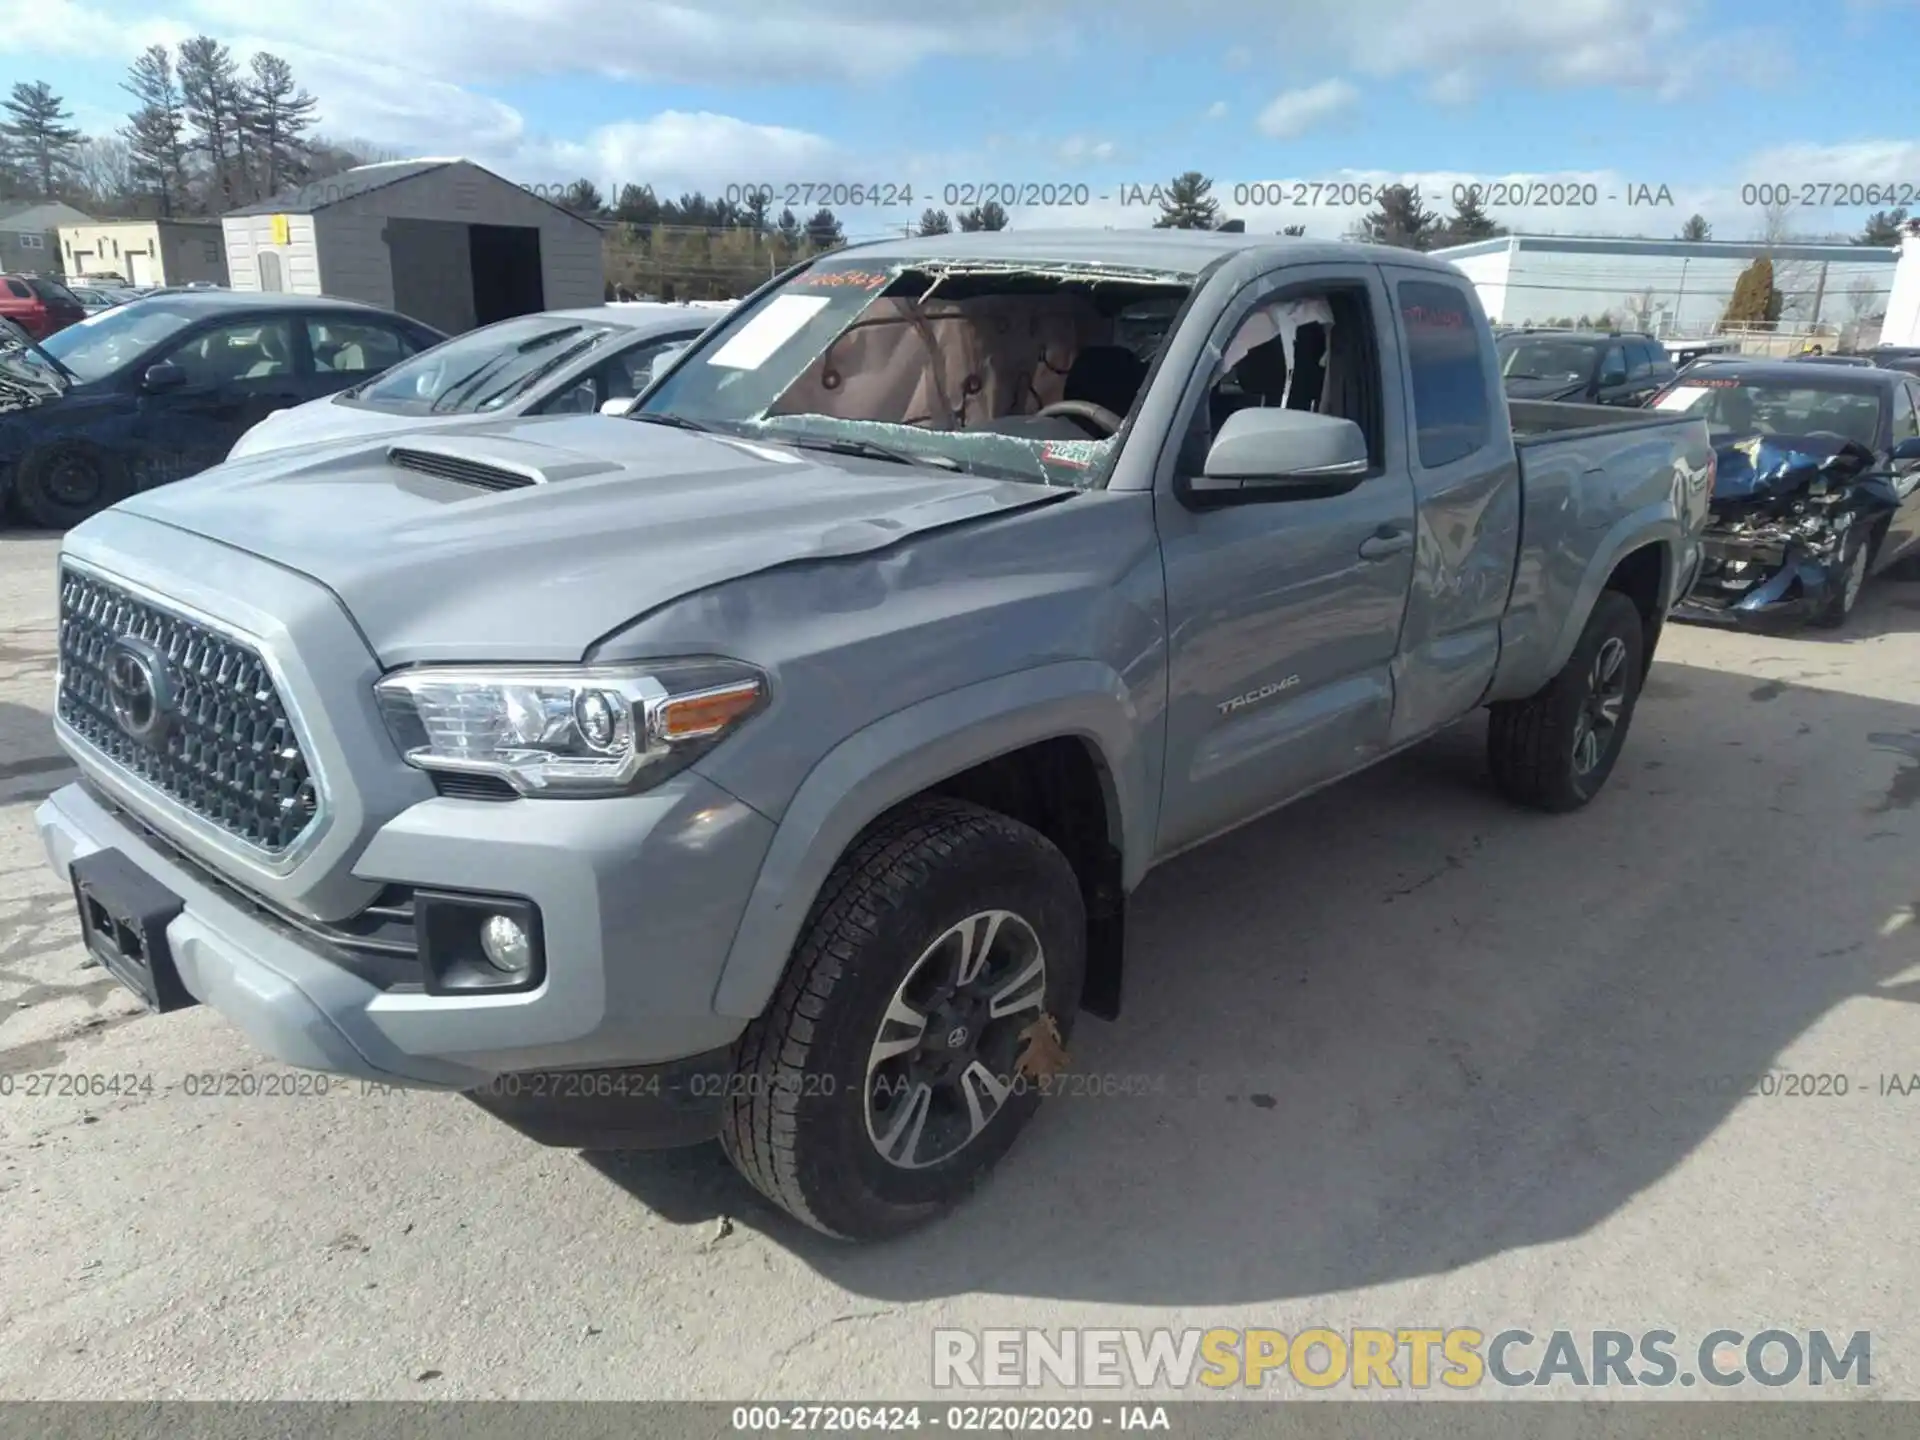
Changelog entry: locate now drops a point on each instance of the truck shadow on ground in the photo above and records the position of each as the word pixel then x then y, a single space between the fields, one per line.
pixel 1400 1027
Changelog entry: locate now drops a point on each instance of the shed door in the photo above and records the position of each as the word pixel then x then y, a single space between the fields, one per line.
pixel 270 278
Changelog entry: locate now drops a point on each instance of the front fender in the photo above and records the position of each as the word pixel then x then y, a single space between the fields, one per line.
pixel 903 754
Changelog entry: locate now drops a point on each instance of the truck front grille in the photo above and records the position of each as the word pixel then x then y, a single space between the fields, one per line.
pixel 225 750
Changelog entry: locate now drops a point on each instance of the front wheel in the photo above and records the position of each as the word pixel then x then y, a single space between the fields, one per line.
pixel 1845 591
pixel 893 1068
pixel 1554 750
pixel 61 484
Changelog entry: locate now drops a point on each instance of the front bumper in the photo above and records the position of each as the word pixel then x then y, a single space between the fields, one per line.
pixel 639 898
pixel 1747 579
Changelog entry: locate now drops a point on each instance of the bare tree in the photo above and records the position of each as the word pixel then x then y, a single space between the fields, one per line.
pixel 108 173
pixel 1797 281
pixel 1863 298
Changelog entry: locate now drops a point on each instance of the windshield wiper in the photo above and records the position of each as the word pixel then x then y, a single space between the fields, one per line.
pixel 678 422
pixel 473 379
pixel 868 450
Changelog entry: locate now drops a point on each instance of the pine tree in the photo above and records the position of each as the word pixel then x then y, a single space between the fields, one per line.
pixel 935 222
pixel 213 101
pixel 582 197
pixel 824 232
pixel 788 228
pixel 156 132
pixel 1401 219
pixel 278 116
pixel 1696 228
pixel 637 205
pixel 42 143
pixel 1468 222
pixel 754 214
pixel 983 217
pixel 1188 204
pixel 1884 227
pixel 1294 230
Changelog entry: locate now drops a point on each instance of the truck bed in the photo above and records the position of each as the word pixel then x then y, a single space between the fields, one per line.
pixel 1535 420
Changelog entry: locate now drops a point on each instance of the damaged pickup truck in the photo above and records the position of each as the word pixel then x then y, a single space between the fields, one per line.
pixel 1817 486
pixel 774 763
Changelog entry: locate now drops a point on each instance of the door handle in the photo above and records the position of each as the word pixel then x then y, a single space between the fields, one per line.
pixel 1385 543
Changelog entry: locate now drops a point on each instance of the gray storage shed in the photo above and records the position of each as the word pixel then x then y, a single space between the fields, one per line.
pixel 444 241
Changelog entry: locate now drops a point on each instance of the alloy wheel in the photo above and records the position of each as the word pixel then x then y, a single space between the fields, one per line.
pixel 1599 720
pixel 942 1066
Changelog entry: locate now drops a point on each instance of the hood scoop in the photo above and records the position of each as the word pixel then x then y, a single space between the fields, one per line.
pixel 489 469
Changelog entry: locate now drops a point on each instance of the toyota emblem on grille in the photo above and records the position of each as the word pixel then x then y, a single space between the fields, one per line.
pixel 137 690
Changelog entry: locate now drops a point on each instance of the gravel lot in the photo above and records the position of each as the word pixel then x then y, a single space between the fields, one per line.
pixel 1423 1060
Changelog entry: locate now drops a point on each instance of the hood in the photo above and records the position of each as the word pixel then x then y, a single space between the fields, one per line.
pixel 28 375
pixel 1554 389
pixel 1765 467
pixel 626 517
pixel 327 419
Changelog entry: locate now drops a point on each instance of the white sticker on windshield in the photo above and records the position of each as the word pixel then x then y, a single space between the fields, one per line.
pixel 755 341
pixel 1685 398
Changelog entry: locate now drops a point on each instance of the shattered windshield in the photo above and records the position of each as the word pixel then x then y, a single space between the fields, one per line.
pixel 1025 371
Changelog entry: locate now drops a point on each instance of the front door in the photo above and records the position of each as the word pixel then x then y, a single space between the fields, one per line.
pixel 230 376
pixel 1284 614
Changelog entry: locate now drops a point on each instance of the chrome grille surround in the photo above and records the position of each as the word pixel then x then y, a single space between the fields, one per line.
pixel 234 765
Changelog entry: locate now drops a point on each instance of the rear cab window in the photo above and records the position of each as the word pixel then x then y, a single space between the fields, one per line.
pixel 1447 365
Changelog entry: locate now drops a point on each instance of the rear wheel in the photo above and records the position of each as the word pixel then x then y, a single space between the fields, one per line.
pixel 61 484
pixel 884 1081
pixel 1555 750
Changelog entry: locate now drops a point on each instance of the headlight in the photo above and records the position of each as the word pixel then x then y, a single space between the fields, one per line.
pixel 568 729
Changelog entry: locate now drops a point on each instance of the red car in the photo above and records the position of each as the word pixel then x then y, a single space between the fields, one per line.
pixel 38 305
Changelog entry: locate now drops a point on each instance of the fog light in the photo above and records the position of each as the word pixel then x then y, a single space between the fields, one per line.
pixel 506 945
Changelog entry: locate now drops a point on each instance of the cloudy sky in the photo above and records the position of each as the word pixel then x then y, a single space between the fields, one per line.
pixel 1617 98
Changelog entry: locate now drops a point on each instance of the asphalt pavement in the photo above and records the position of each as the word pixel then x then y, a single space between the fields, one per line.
pixel 1399 1055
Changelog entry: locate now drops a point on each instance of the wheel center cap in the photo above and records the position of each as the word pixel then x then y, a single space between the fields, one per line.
pixel 957 1037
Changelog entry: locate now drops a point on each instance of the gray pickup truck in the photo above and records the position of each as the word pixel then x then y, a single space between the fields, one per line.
pixel 775 763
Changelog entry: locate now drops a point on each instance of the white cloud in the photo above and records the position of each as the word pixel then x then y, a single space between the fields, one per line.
pixel 1455 87
pixel 1076 150
pixel 678 151
pixel 1217 110
pixel 1858 162
pixel 1294 112
pixel 75 31
pixel 1238 57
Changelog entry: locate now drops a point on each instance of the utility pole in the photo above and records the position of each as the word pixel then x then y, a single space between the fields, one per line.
pixel 1680 301
pixel 1819 295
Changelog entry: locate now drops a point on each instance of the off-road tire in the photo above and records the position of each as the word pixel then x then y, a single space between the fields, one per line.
pixel 35 492
pixel 796 1118
pixel 1530 742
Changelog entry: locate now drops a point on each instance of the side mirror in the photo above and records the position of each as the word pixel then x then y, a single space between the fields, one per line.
pixel 164 376
pixel 1908 449
pixel 1283 454
pixel 618 407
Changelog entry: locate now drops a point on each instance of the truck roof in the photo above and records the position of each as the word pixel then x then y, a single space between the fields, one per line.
pixel 1177 253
